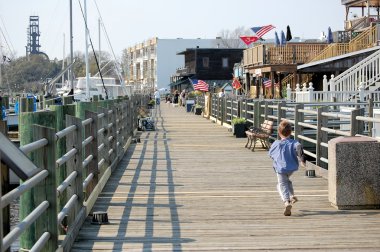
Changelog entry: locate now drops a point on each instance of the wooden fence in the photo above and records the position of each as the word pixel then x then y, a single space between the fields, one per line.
pixel 93 147
pixel 314 123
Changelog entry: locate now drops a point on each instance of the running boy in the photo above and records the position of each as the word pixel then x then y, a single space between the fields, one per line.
pixel 285 154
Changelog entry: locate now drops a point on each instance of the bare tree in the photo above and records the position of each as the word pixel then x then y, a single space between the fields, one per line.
pixel 231 39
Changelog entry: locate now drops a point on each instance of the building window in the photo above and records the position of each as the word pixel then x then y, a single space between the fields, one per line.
pixel 206 61
pixel 225 62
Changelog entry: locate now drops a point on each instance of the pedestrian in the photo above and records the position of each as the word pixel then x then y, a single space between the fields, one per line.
pixel 176 96
pixel 221 93
pixel 183 95
pixel 285 154
pixel 157 97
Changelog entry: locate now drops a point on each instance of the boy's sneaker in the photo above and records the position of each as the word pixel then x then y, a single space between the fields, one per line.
pixel 293 199
pixel 288 208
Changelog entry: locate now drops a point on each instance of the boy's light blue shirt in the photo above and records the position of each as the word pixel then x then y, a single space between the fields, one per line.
pixel 284 154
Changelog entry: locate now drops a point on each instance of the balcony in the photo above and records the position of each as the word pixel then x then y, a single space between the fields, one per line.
pixel 185 71
pixel 291 53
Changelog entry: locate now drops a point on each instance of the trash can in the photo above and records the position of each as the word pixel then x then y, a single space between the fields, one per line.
pixel 189 104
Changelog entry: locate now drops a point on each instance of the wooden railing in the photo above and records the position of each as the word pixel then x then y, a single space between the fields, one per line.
pixel 94 146
pixel 366 39
pixel 291 53
pixel 314 123
pixel 289 79
pixel 332 50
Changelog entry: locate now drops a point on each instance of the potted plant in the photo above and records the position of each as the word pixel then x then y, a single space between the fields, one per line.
pixel 198 109
pixel 238 126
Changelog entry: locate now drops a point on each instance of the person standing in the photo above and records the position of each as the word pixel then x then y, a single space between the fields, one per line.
pixel 285 154
pixel 157 97
pixel 183 97
pixel 221 93
pixel 176 97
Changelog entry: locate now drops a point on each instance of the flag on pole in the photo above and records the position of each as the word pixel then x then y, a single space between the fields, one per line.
pixel 249 39
pixel 261 30
pixel 199 85
pixel 236 84
pixel 267 82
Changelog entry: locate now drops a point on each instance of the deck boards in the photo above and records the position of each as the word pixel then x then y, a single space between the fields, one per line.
pixel 192 186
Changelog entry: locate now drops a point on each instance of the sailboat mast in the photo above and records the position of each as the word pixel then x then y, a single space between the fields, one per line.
pixel 71 49
pixel 99 59
pixel 86 53
pixel 63 60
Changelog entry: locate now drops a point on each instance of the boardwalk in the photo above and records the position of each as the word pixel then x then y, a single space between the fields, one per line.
pixel 191 186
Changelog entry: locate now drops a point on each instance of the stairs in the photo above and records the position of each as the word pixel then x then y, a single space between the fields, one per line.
pixel 366 72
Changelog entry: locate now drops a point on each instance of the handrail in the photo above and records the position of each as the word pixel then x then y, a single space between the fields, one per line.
pixel 312 121
pixel 364 40
pixel 119 122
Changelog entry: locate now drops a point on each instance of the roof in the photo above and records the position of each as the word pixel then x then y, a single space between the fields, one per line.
pixel 347 55
pixel 204 49
pixel 360 3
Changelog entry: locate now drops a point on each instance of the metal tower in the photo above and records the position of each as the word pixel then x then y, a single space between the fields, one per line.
pixel 33 33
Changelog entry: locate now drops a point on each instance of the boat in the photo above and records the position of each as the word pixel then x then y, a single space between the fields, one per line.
pixel 96 88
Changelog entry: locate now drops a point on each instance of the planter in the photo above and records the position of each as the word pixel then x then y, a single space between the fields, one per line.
pixel 238 130
pixel 198 111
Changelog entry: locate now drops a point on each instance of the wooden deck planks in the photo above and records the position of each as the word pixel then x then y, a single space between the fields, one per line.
pixel 191 186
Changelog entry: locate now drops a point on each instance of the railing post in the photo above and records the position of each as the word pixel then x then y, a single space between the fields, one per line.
pixel 298 117
pixel 321 136
pixel 27 200
pixel 298 93
pixel 280 114
pixel 370 114
pixel 113 144
pixel 256 114
pixel 46 159
pixel 332 84
pixel 75 217
pixel 224 110
pixel 5 226
pixel 357 127
pixel 92 149
pixel 361 92
pixel 61 111
pixel 311 92
pixel 325 84
pixel 288 93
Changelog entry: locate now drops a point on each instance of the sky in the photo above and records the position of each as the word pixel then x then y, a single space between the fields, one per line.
pixel 130 22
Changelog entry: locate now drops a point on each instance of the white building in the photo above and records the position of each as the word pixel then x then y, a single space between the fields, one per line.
pixel 151 63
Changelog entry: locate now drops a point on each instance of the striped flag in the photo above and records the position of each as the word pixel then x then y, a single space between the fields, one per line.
pixel 261 30
pixel 267 82
pixel 199 85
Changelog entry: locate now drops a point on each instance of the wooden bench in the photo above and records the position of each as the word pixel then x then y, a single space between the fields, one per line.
pixel 263 133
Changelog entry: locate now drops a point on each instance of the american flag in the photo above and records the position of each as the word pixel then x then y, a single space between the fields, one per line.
pixel 199 85
pixel 261 30
pixel 267 82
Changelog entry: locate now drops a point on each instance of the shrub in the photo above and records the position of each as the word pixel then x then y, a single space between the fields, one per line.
pixel 238 120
